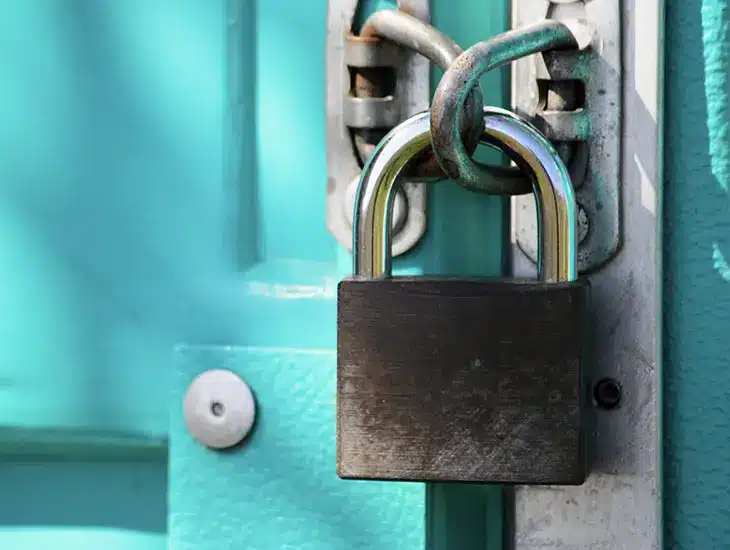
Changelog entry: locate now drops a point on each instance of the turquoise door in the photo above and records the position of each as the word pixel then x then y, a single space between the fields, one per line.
pixel 162 199
pixel 696 273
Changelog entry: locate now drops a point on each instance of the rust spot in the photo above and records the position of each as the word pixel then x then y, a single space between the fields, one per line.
pixel 366 37
pixel 373 82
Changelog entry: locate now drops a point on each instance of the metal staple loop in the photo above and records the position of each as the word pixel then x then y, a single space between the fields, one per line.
pixel 412 33
pixel 464 74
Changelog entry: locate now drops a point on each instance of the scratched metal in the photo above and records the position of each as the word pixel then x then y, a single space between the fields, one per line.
pixel 619 507
pixel 412 92
pixel 425 394
pixel 596 124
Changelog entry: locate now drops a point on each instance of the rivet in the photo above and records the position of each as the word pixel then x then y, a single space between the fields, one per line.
pixel 219 409
pixel 607 393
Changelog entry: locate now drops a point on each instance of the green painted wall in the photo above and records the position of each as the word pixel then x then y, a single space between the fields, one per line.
pixel 696 275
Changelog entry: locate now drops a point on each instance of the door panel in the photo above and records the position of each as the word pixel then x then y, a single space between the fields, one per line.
pixel 696 275
pixel 163 183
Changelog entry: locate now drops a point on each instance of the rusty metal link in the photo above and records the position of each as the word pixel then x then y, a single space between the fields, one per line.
pixel 452 154
pixel 409 32
pixel 402 29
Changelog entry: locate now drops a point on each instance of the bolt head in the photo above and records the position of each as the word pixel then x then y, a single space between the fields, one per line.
pixel 219 409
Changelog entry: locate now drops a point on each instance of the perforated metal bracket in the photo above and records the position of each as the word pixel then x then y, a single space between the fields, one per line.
pixel 345 113
pixel 575 98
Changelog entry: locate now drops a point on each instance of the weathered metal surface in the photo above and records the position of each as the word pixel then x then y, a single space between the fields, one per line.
pixel 371 112
pixel 596 122
pixel 619 506
pixel 463 380
pixel 363 52
pixel 413 34
pixel 457 82
pixel 502 129
pixel 412 95
pixel 401 28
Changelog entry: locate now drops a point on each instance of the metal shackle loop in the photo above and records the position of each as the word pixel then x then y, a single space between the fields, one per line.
pixel 456 84
pixel 519 140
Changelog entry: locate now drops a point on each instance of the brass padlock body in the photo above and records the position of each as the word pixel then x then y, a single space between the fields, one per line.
pixel 472 380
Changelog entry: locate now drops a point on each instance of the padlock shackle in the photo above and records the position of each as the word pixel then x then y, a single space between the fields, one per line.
pixel 520 141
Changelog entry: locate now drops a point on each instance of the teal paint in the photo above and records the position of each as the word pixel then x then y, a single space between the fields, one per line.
pixel 83 538
pixel 286 334
pixel 82 505
pixel 464 516
pixel 696 290
pixel 111 213
pixel 280 490
pixel 720 263
pixel 715 22
pixel 163 182
pixel 716 54
pixel 110 209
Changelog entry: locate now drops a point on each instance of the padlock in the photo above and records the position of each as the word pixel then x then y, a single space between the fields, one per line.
pixel 464 380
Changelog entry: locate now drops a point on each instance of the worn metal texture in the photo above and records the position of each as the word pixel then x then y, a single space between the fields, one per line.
pixel 412 94
pixel 619 506
pixel 410 32
pixel 502 129
pixel 457 82
pixel 371 112
pixel 597 122
pixel 462 380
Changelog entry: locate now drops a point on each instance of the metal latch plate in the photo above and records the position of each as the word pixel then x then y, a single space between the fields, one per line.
pixel 595 125
pixel 620 504
pixel 412 95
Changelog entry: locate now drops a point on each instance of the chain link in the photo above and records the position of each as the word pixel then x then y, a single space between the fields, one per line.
pixel 409 32
pixel 413 34
pixel 464 74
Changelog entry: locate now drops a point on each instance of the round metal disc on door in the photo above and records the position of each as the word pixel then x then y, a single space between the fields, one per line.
pixel 219 409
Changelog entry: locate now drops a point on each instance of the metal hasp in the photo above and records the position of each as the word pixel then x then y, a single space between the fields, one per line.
pixel 574 98
pixel 347 112
pixel 620 504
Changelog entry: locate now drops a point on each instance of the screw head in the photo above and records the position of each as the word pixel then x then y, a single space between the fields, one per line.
pixel 607 393
pixel 219 409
